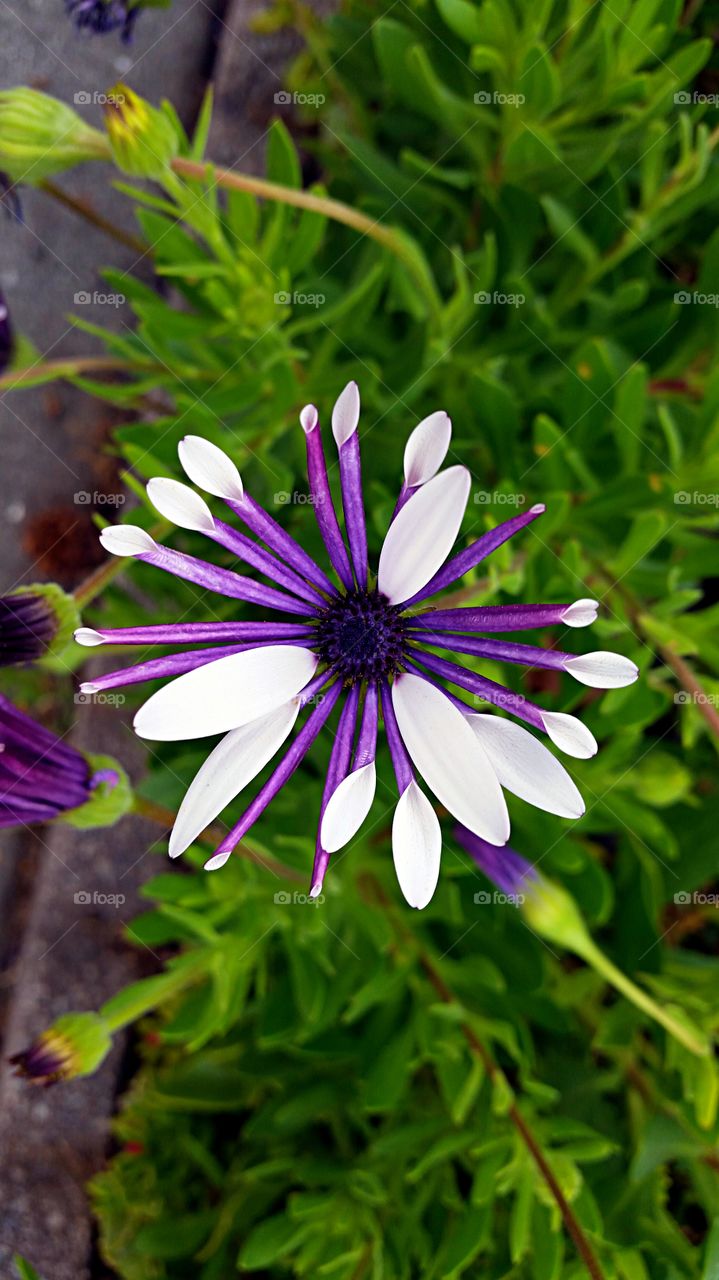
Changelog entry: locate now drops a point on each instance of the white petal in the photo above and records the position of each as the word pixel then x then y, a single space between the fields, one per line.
pixel 570 735
pixel 210 468
pixel 217 860
pixel 308 418
pixel 416 846
pixel 427 448
pixel 226 693
pixel 526 768
pixel 345 414
pixel 89 637
pixel 126 540
pixel 180 504
pixel 602 670
pixel 348 807
pixel 231 766
pixel 448 755
pixel 581 614
pixel 421 537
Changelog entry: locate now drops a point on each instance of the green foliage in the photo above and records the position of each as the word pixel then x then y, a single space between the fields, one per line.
pixel 315 1103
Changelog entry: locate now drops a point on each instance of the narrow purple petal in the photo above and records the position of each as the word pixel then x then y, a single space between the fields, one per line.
pixel 223 581
pixel 198 632
pixel 281 542
pixel 486 689
pixel 467 559
pixel 401 762
pixel 405 494
pixel 527 655
pixel 324 507
pixel 175 664
pixel 502 617
pixel 337 770
pixel 504 866
pixel 367 741
pixel 315 686
pixel 292 758
pixel 353 505
pixel 264 562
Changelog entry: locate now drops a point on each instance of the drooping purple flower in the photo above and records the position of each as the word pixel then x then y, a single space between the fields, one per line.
pixel 7 339
pixel 506 868
pixel 101 16
pixel 366 642
pixel 42 777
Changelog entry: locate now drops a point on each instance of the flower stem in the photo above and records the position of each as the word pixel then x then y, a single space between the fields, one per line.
pixel 389 237
pixel 90 215
pixel 690 1037
pixel 69 368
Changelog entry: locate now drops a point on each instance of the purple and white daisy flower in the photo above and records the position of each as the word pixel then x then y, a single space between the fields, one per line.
pixel 367 642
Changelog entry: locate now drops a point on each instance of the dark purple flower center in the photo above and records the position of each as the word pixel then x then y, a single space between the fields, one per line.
pixel 363 636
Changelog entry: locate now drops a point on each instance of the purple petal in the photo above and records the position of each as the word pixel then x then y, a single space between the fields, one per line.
pixel 401 762
pixel 497 650
pixel 486 689
pixel 504 866
pixel 223 581
pixel 281 542
pixel 337 769
pixel 281 774
pixel 466 560
pixel 322 497
pixel 503 617
pixel 353 505
pixel 196 632
pixel 264 562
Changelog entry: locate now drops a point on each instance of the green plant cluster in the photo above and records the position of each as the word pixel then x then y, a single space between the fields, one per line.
pixel 349 1089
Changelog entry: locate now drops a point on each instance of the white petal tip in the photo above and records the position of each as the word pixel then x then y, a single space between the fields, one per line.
pixel 348 807
pixel 345 415
pixel 180 504
pixel 316 889
pixel 538 509
pixel 88 687
pixel 126 540
pixel 210 468
pixel 427 448
pixel 581 614
pixel 416 847
pixel 570 735
pixel 602 669
pixel 217 860
pixel 309 418
pixel 88 637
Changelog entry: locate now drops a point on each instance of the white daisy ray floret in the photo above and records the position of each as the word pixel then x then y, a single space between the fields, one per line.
pixel 335 638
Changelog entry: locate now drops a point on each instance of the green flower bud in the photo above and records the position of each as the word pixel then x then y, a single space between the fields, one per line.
pixel 74 1045
pixel 552 913
pixel 40 136
pixel 36 622
pixel 143 138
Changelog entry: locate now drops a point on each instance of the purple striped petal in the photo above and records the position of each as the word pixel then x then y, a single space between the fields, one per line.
pixel 324 507
pixel 271 533
pixel 282 773
pixel 194 632
pixel 175 664
pixel 345 419
pixel 208 576
pixel 527 655
pixel 338 769
pixel 467 559
pixel 264 562
pixel 486 689
pixel 507 617
pixel 401 762
pixel 367 741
